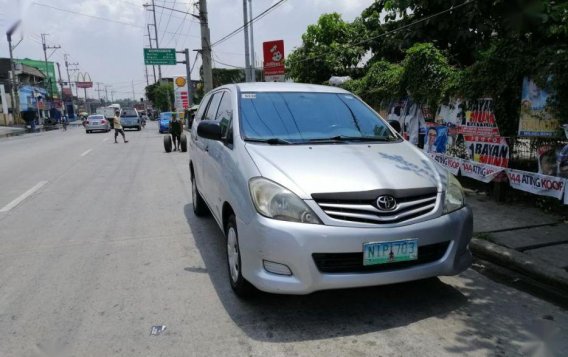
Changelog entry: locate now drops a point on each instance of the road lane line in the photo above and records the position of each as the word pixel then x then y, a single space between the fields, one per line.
pixel 22 197
pixel 86 152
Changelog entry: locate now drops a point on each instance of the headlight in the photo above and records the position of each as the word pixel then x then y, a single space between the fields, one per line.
pixel 454 195
pixel 274 201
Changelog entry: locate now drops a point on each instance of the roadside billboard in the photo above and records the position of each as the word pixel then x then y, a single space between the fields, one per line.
pixel 536 119
pixel 41 65
pixel 273 61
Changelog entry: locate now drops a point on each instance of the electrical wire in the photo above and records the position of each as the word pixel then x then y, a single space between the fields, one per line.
pixel 257 17
pixel 170 19
pixel 87 15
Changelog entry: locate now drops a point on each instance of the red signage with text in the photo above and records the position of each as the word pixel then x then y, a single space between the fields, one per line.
pixel 273 57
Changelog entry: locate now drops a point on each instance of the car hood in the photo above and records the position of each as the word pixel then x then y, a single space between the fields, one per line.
pixel 306 170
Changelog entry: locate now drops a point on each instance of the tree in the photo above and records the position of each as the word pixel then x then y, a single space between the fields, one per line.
pixel 161 95
pixel 326 51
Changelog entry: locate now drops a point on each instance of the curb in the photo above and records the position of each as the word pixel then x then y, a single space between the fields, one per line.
pixel 512 259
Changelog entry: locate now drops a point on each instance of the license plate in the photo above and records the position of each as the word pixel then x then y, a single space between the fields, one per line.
pixel 390 252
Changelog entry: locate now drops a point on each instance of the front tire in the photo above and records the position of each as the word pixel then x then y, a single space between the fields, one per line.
pixel 239 284
pixel 199 207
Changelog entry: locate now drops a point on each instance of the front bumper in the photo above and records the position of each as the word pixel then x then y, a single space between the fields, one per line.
pixel 293 244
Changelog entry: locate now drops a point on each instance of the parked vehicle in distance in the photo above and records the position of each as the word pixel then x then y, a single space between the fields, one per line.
pixel 164 122
pixel 96 122
pixel 314 190
pixel 129 118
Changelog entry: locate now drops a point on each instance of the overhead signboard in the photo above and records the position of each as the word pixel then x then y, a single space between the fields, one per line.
pixel 273 60
pixel 44 67
pixel 160 56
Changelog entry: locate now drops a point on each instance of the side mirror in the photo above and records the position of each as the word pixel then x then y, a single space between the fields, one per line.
pixel 395 125
pixel 209 129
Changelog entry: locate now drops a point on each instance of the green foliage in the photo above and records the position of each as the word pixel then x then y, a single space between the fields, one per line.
pixel 326 51
pixel 222 76
pixel 161 95
pixel 427 75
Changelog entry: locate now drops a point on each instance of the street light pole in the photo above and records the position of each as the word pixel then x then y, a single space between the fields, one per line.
pixel 150 39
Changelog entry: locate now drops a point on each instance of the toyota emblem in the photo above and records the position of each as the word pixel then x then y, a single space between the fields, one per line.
pixel 386 203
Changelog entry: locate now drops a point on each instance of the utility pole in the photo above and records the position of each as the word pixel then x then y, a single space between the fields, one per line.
pixel 133 95
pixel 252 61
pixel 156 37
pixel 45 48
pixel 205 47
pixel 106 92
pixel 13 78
pixel 99 90
pixel 247 58
pixel 67 64
pixel 150 39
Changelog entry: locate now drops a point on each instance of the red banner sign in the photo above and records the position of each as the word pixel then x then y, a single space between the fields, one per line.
pixel 84 84
pixel 273 57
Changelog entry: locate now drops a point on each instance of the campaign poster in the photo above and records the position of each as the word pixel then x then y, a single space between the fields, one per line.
pixel 479 119
pixel 436 138
pixel 488 150
pixel 553 161
pixel 480 172
pixel 537 120
pixel 452 164
pixel 538 184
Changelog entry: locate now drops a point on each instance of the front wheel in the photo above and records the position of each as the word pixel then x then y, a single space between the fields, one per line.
pixel 239 284
pixel 199 206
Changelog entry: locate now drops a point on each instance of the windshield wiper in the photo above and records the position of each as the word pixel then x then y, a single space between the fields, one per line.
pixel 344 138
pixel 270 141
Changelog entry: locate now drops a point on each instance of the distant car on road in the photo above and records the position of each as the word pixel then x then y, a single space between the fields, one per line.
pixel 96 122
pixel 165 118
pixel 129 118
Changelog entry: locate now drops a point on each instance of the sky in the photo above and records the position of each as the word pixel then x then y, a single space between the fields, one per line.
pixel 107 37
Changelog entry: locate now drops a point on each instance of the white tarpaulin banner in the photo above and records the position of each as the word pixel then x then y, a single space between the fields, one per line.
pixel 538 184
pixel 452 164
pixel 481 172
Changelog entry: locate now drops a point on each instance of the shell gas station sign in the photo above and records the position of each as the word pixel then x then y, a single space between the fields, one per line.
pixel 181 93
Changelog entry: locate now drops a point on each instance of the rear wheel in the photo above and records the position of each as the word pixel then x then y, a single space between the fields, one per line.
pixel 183 140
pixel 239 284
pixel 168 143
pixel 199 206
pixel 139 128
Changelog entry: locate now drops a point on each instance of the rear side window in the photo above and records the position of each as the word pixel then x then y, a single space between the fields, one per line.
pixel 225 113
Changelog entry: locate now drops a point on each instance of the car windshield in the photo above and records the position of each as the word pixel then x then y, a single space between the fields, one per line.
pixel 296 118
pixel 165 116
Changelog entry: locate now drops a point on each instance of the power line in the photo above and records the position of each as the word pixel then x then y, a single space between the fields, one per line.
pixel 257 17
pixel 86 15
pixel 169 19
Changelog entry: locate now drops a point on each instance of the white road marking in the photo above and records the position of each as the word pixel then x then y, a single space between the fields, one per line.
pixel 22 197
pixel 86 152
pixel 105 139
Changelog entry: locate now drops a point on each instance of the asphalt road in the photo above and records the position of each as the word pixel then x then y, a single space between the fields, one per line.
pixel 98 243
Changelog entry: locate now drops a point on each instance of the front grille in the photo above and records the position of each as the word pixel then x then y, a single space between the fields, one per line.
pixel 362 206
pixel 353 262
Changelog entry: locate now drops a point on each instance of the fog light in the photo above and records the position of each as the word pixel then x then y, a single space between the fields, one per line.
pixel 276 268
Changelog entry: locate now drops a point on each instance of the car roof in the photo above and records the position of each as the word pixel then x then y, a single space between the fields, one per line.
pixel 285 87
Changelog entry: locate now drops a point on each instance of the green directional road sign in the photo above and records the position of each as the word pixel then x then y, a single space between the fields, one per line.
pixel 159 56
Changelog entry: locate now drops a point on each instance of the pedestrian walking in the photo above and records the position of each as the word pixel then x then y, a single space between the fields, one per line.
pixel 118 128
pixel 176 128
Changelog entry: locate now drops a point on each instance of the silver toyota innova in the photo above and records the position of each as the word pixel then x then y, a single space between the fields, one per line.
pixel 313 190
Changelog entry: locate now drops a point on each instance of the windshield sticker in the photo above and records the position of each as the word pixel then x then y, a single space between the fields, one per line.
pixel 248 96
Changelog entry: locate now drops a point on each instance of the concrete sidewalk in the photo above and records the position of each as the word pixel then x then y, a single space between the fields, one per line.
pixel 11 130
pixel 521 238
